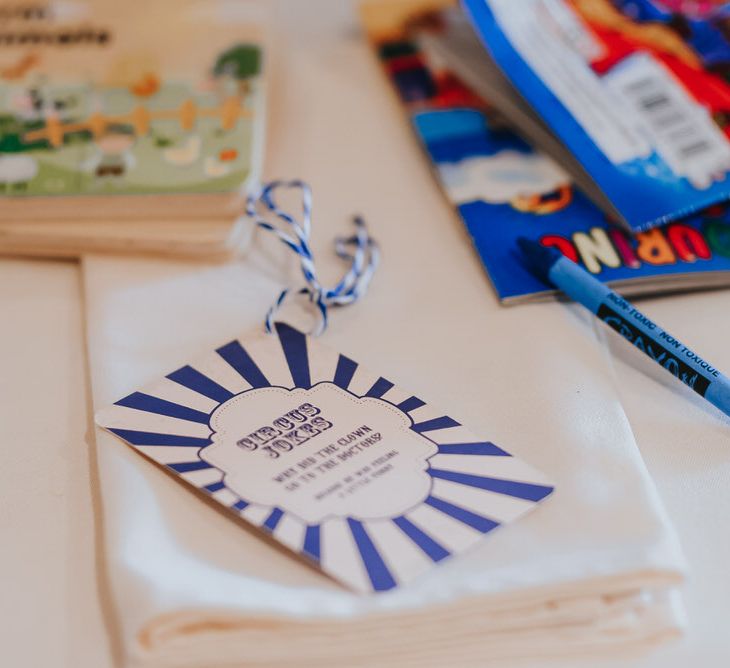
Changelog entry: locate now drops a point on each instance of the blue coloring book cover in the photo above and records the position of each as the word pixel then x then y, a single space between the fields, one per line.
pixel 637 90
pixel 504 189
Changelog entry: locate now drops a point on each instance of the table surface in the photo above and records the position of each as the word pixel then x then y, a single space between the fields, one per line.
pixel 54 604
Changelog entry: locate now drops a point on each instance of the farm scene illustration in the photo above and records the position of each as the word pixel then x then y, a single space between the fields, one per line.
pixel 149 137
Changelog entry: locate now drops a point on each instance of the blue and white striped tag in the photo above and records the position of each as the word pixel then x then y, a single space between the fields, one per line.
pixel 335 462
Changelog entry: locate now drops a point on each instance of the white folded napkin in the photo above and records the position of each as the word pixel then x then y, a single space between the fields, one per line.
pixel 592 571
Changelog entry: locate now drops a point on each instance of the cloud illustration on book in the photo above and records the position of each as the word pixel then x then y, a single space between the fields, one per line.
pixel 320 453
pixel 501 178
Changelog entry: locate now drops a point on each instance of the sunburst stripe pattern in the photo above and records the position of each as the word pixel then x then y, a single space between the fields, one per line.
pixel 521 490
pixel 151 438
pixel 149 404
pixel 294 345
pixel 379 574
pixel 411 404
pixel 312 542
pixel 272 520
pixel 484 448
pixel 345 371
pixel 379 388
pixel 237 357
pixel 214 487
pixel 434 550
pixel 475 521
pixel 443 422
pixel 186 467
pixel 200 383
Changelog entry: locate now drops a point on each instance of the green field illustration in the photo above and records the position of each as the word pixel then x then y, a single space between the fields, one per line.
pixel 155 137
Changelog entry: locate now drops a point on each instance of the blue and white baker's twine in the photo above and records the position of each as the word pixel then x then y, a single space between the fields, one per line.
pixel 360 250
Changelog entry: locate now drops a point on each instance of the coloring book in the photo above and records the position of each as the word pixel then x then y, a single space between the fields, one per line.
pixel 504 189
pixel 109 115
pixel 636 92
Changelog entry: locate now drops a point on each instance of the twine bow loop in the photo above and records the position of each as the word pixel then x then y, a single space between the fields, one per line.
pixel 360 250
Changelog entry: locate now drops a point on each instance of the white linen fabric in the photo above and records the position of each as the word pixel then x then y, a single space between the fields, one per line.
pixel 591 571
pixel 684 441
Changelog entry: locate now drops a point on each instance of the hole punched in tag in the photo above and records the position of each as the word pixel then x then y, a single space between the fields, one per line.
pixel 360 250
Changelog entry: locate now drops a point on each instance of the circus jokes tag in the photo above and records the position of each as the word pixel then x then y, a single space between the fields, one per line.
pixel 334 462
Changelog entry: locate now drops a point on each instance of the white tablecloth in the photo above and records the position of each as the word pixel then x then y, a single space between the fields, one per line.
pixel 54 605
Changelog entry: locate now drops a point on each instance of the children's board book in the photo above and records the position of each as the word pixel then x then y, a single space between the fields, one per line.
pixel 504 189
pixel 636 91
pixel 127 126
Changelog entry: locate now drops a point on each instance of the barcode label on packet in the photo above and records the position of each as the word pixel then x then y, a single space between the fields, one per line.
pixel 558 47
pixel 681 130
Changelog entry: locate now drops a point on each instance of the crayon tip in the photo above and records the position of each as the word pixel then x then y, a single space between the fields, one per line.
pixel 540 259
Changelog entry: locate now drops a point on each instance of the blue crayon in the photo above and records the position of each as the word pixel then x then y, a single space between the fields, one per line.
pixel 552 267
